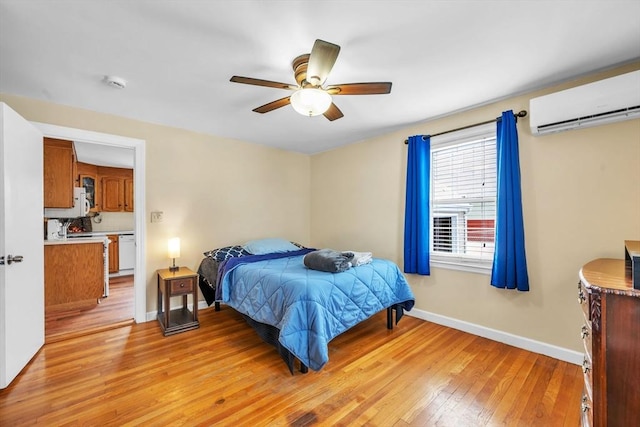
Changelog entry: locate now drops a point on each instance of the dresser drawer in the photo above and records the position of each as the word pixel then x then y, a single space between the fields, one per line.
pixel 586 409
pixel 587 370
pixel 583 299
pixel 181 286
pixel 586 334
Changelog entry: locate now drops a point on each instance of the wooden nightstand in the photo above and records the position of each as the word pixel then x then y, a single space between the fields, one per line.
pixel 183 282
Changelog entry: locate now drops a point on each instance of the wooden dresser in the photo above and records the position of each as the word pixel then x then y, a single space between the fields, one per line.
pixel 611 335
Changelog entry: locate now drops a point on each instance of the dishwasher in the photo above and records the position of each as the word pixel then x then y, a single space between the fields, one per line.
pixel 127 251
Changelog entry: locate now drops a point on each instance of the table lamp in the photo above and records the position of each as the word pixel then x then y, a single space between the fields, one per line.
pixel 174 252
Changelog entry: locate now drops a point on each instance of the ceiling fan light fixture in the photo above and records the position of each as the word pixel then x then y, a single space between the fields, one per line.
pixel 311 101
pixel 310 71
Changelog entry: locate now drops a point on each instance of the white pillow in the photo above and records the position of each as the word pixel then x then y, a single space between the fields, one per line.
pixel 269 246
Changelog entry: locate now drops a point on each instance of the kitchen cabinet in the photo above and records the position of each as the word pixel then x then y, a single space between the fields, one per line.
pixel 112 194
pixel 59 163
pixel 88 179
pixel 117 189
pixel 114 253
pixel 128 195
pixel 73 273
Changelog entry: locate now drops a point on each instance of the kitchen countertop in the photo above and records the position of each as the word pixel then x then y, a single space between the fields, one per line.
pixel 75 241
pixel 98 233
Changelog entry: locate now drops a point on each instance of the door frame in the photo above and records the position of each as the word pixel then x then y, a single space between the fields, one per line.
pixel 138 145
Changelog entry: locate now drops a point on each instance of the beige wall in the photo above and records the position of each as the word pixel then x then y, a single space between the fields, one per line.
pixel 114 221
pixel 213 191
pixel 581 200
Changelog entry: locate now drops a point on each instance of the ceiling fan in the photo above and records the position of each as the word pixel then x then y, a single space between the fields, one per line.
pixel 310 98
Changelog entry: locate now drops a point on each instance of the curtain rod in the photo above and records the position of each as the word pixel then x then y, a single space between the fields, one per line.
pixel 521 113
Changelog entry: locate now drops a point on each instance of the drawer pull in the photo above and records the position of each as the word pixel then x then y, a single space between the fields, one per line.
pixel 581 297
pixel 585 366
pixel 182 285
pixel 585 332
pixel 585 404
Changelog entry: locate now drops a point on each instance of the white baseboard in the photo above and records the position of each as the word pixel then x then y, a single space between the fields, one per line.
pixel 539 347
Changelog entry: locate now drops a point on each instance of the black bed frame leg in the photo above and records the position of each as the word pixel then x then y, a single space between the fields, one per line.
pixel 389 318
pixel 217 306
pixel 304 368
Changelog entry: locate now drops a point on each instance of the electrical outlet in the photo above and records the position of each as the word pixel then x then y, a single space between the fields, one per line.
pixel 156 216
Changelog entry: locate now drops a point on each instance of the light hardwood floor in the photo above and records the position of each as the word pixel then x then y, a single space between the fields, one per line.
pixel 114 311
pixel 419 374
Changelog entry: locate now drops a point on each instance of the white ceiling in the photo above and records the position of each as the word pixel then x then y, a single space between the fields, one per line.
pixel 178 56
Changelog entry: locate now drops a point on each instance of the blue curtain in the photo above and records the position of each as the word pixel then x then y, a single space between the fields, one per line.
pixel 416 214
pixel 509 260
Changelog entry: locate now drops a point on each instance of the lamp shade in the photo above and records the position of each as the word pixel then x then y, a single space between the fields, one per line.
pixel 310 101
pixel 174 247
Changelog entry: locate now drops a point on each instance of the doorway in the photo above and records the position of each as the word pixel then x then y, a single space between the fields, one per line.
pixel 138 147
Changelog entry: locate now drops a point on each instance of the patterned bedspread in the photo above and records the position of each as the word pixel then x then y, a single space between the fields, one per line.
pixel 311 307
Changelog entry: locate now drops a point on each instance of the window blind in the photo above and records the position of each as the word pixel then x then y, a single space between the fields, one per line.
pixel 463 197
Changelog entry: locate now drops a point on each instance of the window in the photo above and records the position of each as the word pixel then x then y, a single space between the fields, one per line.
pixel 463 198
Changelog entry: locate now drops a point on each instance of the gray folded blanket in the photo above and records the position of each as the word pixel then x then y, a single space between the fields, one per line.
pixel 328 260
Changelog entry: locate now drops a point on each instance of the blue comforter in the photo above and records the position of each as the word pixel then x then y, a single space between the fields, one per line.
pixel 311 307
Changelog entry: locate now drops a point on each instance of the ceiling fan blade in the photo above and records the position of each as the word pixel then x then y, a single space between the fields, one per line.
pixel 372 88
pixel 323 56
pixel 266 83
pixel 333 113
pixel 273 105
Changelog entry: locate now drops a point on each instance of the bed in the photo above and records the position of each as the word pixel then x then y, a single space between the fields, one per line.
pixel 297 309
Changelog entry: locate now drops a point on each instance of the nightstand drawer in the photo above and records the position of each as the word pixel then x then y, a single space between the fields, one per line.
pixel 181 286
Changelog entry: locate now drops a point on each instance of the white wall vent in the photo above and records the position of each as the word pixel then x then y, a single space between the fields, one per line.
pixel 606 101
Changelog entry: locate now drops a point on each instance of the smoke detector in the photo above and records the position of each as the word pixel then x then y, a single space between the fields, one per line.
pixel 116 82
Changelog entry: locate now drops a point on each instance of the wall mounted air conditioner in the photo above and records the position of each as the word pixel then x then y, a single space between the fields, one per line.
pixel 605 101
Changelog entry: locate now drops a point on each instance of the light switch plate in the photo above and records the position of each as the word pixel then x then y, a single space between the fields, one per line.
pixel 157 216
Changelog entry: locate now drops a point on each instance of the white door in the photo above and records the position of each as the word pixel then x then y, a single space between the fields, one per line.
pixel 21 244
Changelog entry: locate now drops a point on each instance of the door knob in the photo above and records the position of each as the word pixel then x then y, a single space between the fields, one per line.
pixel 11 259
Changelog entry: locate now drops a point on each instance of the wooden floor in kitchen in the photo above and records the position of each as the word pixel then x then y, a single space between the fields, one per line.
pixel 114 311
